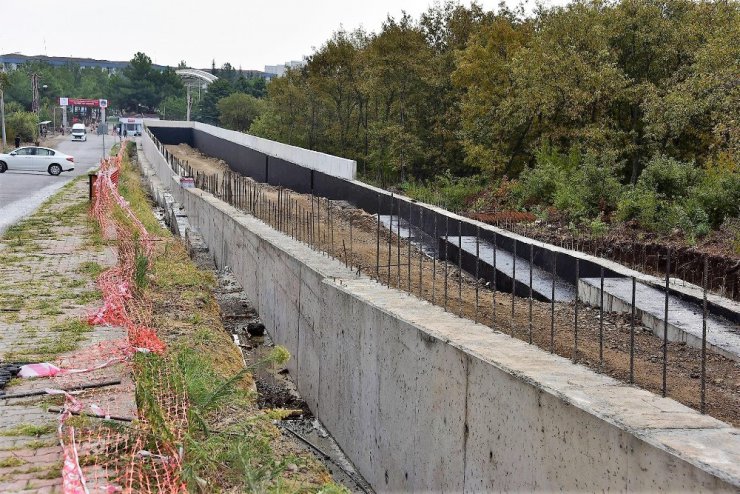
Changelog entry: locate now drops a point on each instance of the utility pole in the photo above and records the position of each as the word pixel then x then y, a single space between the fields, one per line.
pixel 3 83
pixel 35 93
pixel 2 117
pixel 189 102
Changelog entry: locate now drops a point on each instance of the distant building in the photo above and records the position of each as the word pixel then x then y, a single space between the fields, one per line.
pixel 279 70
pixel 11 61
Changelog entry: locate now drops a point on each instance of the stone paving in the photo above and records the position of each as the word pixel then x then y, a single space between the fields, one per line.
pixel 48 264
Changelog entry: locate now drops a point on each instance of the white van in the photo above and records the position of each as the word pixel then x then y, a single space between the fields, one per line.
pixel 79 132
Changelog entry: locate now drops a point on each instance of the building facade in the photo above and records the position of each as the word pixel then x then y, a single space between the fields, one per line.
pixel 11 61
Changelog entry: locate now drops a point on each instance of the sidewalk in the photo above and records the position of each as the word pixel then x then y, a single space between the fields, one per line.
pixel 48 264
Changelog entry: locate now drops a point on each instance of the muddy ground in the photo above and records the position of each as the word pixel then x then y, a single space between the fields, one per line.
pixel 351 235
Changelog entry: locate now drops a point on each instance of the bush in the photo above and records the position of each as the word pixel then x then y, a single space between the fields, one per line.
pixel 580 186
pixel 452 192
pixel 23 124
pixel 639 204
pixel 669 178
pixel 238 110
pixel 677 195
pixel 718 195
pixel 539 184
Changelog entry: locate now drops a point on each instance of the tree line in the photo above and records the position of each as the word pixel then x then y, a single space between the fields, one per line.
pixel 573 103
pixel 140 87
pixel 597 112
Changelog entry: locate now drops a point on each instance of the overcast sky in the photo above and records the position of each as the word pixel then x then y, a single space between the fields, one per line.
pixel 246 33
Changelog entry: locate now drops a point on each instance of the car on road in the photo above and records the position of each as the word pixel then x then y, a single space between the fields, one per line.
pixel 35 158
pixel 79 132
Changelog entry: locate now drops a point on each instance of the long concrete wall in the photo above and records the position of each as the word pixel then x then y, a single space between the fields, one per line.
pixel 421 400
pixel 239 143
pixel 292 168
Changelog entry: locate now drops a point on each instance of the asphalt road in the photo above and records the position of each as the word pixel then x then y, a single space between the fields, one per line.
pixel 21 192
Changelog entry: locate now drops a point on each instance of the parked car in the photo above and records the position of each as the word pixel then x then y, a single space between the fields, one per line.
pixel 37 159
pixel 79 132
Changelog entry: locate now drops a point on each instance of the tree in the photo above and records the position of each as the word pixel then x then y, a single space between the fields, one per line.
pixel 255 86
pixel 23 124
pixel 238 110
pixel 216 91
pixel 617 83
pixel 141 87
pixel 397 84
pixel 333 73
pixel 493 141
pixel 173 108
pixel 290 111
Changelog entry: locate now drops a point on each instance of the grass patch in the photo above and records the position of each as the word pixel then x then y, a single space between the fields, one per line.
pixel 28 430
pixel 91 269
pixel 33 444
pixel 174 269
pixel 68 334
pixel 72 327
pixel 229 446
pixel 240 453
pixel 87 296
pixel 11 461
pixel 129 185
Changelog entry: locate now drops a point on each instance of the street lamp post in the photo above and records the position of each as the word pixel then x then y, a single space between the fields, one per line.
pixel 2 117
pixel 37 104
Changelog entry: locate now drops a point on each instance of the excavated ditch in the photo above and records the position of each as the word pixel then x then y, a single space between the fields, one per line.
pixel 274 385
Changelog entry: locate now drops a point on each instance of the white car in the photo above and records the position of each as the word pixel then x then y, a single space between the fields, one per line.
pixel 37 159
pixel 79 132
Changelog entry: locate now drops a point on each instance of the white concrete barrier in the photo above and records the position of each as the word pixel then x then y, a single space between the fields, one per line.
pixel 314 160
pixel 421 400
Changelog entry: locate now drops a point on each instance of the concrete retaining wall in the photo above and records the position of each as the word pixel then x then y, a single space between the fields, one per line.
pixel 249 156
pixel 313 160
pixel 421 400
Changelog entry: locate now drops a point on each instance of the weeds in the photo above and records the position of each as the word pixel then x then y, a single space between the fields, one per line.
pixel 91 269
pixel 28 430
pixel 227 444
pixel 11 461
pixel 141 266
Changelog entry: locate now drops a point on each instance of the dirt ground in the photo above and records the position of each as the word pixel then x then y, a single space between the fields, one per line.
pixel 196 159
pixel 350 234
pixel 643 251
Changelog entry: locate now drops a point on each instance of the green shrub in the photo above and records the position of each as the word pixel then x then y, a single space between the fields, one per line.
pixel 718 193
pixel 598 227
pixel 671 194
pixel 23 124
pixel 639 204
pixel 539 184
pixel 581 186
pixel 452 192
pixel 669 178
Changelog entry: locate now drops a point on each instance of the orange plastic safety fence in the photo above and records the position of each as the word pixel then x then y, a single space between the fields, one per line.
pixel 123 456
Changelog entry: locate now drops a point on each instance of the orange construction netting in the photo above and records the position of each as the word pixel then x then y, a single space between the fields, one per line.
pixel 111 443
